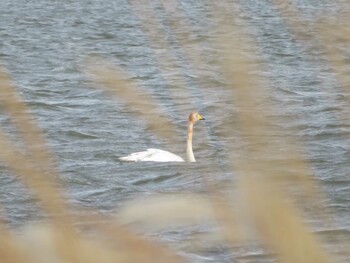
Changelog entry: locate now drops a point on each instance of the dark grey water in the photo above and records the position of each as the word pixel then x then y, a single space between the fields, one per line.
pixel 44 44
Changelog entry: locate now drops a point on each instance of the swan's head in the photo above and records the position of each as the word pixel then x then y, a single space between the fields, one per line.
pixel 195 116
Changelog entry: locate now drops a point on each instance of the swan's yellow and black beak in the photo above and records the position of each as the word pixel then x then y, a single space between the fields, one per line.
pixel 200 117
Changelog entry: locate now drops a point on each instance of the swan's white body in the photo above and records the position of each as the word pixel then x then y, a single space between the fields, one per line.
pixel 152 155
pixel 156 155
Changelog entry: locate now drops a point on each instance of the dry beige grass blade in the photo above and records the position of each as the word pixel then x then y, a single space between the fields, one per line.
pixel 108 243
pixel 168 211
pixel 163 211
pixel 164 53
pixel 125 242
pixel 330 32
pixel 182 32
pixel 59 242
pixel 9 249
pixel 36 171
pixel 113 79
pixel 277 223
pixel 227 217
pixel 41 184
pixel 46 243
pixel 240 63
pixel 31 134
pixel 263 205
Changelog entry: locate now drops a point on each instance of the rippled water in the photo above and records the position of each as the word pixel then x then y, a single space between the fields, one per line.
pixel 44 45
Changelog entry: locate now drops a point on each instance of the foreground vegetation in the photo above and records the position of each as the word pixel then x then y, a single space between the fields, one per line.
pixel 270 215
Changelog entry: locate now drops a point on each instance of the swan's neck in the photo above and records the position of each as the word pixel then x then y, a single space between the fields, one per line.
pixel 189 151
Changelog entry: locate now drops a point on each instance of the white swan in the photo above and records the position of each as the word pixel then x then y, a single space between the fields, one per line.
pixel 156 155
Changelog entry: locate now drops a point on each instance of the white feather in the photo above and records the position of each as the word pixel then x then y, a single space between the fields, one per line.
pixel 152 155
